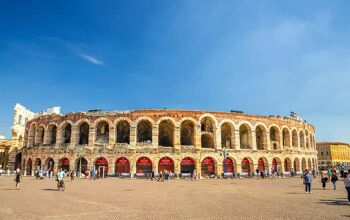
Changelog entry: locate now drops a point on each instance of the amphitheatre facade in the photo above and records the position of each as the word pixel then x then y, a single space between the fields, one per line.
pixel 138 142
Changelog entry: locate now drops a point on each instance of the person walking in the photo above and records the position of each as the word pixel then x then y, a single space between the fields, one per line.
pixel 60 179
pixel 347 183
pixel 71 175
pixel 324 180
pixel 18 178
pixel 307 181
pixel 334 179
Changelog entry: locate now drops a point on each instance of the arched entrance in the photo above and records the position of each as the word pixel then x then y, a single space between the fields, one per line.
pixel 303 164
pixel 50 164
pixel 81 162
pixel 122 165
pixel 63 164
pixel 144 165
pixel 187 165
pixel 246 165
pixel 101 165
pixel 29 167
pixel 208 166
pixel 38 164
pixel 276 165
pixel 229 165
pixel 18 161
pixel 166 163
pixel 296 165
pixel 261 165
pixel 287 165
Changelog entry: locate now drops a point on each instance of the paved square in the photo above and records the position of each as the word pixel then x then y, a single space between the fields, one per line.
pixel 177 199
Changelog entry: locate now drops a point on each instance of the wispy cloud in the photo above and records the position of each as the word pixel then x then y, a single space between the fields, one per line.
pixel 90 59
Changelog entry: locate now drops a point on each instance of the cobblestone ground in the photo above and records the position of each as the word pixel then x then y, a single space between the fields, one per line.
pixel 178 199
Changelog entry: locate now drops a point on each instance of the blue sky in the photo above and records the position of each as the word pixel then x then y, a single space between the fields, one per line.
pixel 261 57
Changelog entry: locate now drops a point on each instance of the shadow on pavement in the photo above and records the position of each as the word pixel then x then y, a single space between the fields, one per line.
pixel 50 189
pixel 333 202
pixel 9 189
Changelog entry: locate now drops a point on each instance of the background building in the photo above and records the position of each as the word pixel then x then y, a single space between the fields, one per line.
pixel 333 154
pixel 4 152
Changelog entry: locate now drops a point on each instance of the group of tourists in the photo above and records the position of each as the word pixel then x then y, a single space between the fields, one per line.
pixel 329 175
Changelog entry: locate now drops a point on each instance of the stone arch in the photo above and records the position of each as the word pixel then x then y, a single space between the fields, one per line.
pixel 187 132
pixel 295 138
pixel 102 128
pixel 144 165
pixel 51 133
pixel 231 165
pixel 166 164
pixel 144 131
pixel 307 141
pixel 50 163
pixel 276 164
pixel 303 164
pixel 81 165
pixel 247 165
pixel 261 139
pixel 66 132
pixel 286 137
pixel 84 130
pixel 123 131
pixel 287 164
pixel 187 165
pixel 211 117
pixel 29 167
pixel 64 164
pixel 275 137
pixel 245 136
pixel 122 165
pixel 40 134
pixel 208 131
pixel 296 164
pixel 166 132
pixel 38 164
pixel 101 165
pixel 227 135
pixel 208 166
pixel 301 139
pixel 32 134
pixel 263 164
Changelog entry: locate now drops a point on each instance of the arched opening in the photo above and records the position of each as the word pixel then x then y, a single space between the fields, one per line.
pixel 40 135
pixel 260 133
pixel 303 164
pixel 19 119
pixel 208 166
pixel 307 139
pixel 276 165
pixel 166 133
pixel 63 164
pixel 187 133
pixel 123 132
pixel 226 136
pixel 274 138
pixel 52 132
pixel 144 131
pixel 296 165
pixel 207 141
pixel 18 161
pixel 122 165
pixel 287 165
pixel 37 163
pixel 286 137
pixel 309 165
pixel 245 137
pixel 81 165
pixel 29 167
pixel 67 133
pixel 50 164
pixel 101 165
pixel 144 165
pixel 84 133
pixel 102 133
pixel 187 165
pixel 262 164
pixel 246 165
pixel 294 138
pixel 31 135
pixel 301 139
pixel 228 165
pixel 166 164
pixel 207 133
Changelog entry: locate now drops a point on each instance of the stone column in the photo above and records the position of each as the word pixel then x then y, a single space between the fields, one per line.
pixel 59 139
pixel 197 138
pixel 92 136
pixel 268 141
pixel 254 147
pixel 75 136
pixel 112 135
pixel 133 136
pixel 155 136
pixel 237 140
pixel 281 139
pixel 218 139
pixel 177 136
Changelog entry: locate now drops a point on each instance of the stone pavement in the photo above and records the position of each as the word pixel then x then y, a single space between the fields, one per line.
pixel 177 199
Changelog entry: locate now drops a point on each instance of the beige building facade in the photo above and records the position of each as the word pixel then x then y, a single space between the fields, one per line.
pixel 333 154
pixel 141 141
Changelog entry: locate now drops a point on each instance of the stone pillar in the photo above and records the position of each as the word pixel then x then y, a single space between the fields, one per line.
pixel 75 136
pixel 133 135
pixel 197 138
pixel 132 167
pixel 59 135
pixel 112 135
pixel 268 141
pixel 254 147
pixel 91 136
pixel 218 139
pixel 281 140
pixel 155 136
pixel 237 140
pixel 177 136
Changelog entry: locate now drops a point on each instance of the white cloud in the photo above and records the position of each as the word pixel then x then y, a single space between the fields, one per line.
pixel 90 59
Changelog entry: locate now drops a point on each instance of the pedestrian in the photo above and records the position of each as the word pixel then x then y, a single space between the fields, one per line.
pixel 307 181
pixel 257 173
pixel 72 175
pixel 18 178
pixel 329 172
pixel 152 175
pixel 194 174
pixel 324 180
pixel 262 174
pixel 292 173
pixel 347 183
pixel 314 173
pixel 334 179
